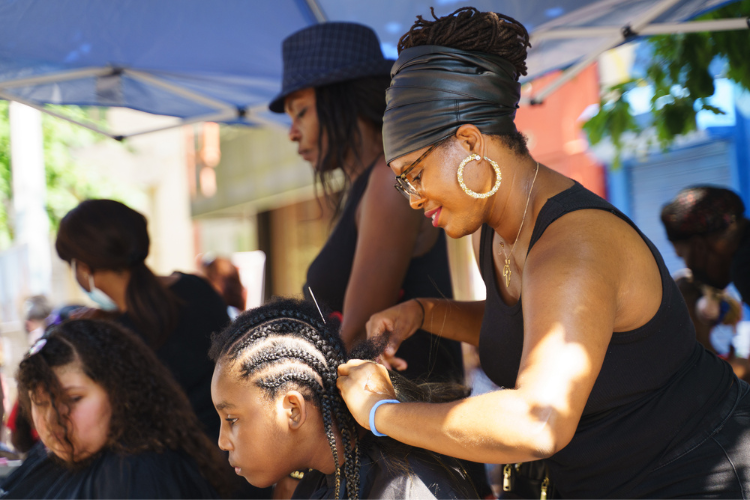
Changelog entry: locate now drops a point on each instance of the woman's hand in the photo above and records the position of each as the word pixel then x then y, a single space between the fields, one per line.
pixel 401 321
pixel 362 384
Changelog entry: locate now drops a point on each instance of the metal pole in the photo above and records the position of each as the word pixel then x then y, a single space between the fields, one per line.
pixel 61 76
pixel 180 91
pixel 317 11
pixel 610 43
pixel 211 117
pixel 250 116
pixel 93 128
pixel 696 26
pixel 653 29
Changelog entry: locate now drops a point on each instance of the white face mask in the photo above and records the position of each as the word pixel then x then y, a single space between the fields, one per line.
pixel 99 297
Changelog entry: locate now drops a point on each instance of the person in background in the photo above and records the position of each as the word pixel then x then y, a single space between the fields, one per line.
pixel 380 253
pixel 709 231
pixel 106 243
pixel 112 421
pixel 710 308
pixel 38 310
pixel 225 278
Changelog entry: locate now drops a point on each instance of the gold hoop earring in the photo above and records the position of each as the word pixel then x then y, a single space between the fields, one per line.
pixel 473 194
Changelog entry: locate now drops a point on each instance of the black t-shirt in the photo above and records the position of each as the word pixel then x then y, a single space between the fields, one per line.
pixel 185 352
pixel 145 475
pixel 424 478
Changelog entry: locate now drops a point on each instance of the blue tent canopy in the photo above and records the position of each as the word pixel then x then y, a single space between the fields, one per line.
pixel 221 60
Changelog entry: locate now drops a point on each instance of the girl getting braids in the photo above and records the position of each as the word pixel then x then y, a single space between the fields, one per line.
pixel 274 387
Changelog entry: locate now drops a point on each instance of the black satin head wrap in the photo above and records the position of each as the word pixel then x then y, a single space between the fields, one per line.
pixel 434 90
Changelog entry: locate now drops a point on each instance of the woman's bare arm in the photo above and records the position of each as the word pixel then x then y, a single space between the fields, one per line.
pixel 386 237
pixel 572 299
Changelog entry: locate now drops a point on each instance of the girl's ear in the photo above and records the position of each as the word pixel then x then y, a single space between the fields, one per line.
pixel 295 409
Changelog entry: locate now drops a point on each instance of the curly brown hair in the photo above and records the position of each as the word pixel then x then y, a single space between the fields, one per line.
pixel 149 410
pixel 469 29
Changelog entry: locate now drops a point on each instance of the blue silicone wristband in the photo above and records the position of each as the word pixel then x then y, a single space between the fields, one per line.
pixel 372 415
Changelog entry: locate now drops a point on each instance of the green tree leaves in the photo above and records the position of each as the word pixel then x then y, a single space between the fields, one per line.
pixel 67 183
pixel 681 79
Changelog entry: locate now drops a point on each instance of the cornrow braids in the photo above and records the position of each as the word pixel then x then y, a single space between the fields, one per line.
pixel 469 29
pixel 286 343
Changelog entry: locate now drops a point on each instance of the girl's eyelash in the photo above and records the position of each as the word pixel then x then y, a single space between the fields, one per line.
pixel 231 420
pixel 301 113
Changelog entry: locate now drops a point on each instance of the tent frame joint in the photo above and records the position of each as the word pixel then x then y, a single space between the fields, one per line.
pixel 628 33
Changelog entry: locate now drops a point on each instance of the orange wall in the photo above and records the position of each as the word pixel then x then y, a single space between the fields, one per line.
pixel 554 131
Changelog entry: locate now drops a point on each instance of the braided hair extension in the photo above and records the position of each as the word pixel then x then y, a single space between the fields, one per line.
pixel 469 29
pixel 286 343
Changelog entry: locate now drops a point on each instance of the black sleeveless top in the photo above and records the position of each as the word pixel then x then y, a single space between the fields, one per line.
pixel 657 386
pixel 428 275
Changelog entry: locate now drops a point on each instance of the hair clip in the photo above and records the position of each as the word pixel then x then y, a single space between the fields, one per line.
pixel 38 345
pixel 316 305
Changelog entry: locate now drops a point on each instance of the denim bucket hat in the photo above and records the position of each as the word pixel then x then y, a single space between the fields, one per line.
pixel 329 53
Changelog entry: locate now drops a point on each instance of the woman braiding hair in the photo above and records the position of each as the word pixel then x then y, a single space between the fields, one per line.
pixel 107 243
pixel 275 388
pixel 582 324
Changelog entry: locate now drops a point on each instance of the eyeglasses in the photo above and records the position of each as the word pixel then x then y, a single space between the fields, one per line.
pixel 403 185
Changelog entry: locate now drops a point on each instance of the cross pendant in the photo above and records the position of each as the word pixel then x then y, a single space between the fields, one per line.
pixel 506 273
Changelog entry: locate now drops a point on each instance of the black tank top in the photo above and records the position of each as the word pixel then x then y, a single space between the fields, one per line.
pixel 428 356
pixel 657 386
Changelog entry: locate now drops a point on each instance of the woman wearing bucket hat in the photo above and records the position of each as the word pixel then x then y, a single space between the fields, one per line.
pixel 582 324
pixel 380 252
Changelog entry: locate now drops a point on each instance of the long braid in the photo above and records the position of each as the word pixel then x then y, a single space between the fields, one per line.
pixel 269 345
pixel 469 29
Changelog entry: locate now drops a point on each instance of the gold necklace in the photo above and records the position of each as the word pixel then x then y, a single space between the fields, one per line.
pixel 506 267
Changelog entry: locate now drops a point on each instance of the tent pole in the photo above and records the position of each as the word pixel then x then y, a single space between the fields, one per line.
pixel 653 29
pixel 180 91
pixel 93 128
pixel 696 26
pixel 610 43
pixel 317 11
pixel 61 76
pixel 211 117
pixel 250 116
